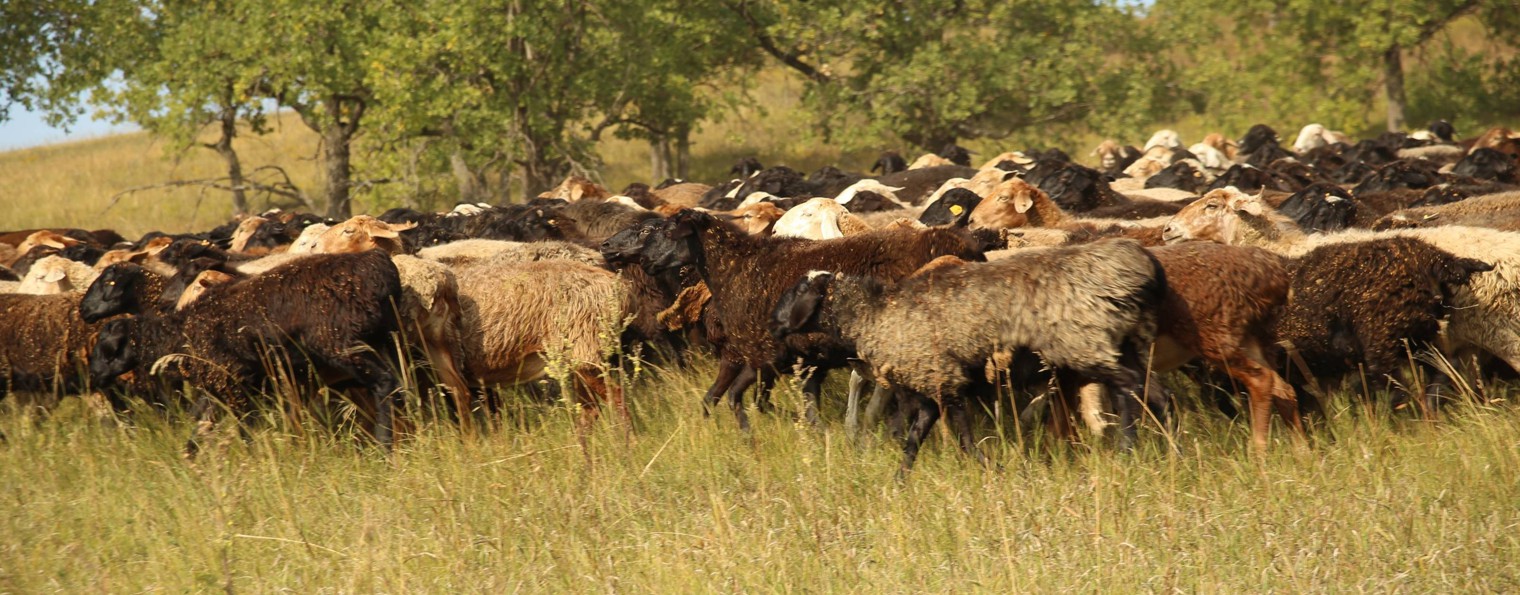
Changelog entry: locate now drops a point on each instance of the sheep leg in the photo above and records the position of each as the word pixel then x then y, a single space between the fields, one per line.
pixel 385 391
pixel 592 390
pixel 811 389
pixel 736 390
pixel 954 407
pixel 872 415
pixel 1122 383
pixel 763 393
pixel 728 370
pixel 852 403
pixel 926 413
pixel 204 412
pixel 1059 419
pixel 467 403
pixel 1090 398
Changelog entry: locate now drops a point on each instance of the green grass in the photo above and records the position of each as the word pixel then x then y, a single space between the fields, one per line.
pixel 694 505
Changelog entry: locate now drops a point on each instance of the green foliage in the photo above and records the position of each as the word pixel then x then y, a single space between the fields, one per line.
pixel 1295 61
pixel 937 72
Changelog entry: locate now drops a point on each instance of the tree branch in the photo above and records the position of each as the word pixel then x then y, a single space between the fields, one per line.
pixel 768 43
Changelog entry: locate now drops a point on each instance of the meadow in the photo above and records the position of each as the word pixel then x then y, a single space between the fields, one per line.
pixel 1376 502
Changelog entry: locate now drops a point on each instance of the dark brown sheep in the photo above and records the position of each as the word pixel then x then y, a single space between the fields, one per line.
pixel 336 311
pixel 1361 306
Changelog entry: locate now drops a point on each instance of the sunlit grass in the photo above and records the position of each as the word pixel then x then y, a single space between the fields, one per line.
pixel 695 505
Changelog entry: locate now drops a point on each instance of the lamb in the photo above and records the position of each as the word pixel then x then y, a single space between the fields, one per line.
pixel 747 275
pixel 1315 136
pixel 1321 207
pixel 1485 313
pixel 1164 138
pixel 1361 306
pixel 1260 146
pixel 575 189
pixel 1186 174
pixel 56 274
pixel 1221 304
pixel 756 219
pixel 1214 160
pixel 334 310
pixel 954 208
pixel 920 337
pixel 869 185
pixel 1489 164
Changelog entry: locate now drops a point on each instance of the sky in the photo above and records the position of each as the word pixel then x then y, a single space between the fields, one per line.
pixel 29 129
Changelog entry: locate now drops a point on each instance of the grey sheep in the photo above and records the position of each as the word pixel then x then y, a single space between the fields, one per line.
pixel 1089 311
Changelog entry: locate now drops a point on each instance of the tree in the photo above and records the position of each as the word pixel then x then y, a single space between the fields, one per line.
pixel 317 59
pixel 489 91
pixel 1349 53
pixel 189 69
pixel 949 70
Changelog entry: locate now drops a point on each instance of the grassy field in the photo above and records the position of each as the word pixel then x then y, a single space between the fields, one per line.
pixel 694 505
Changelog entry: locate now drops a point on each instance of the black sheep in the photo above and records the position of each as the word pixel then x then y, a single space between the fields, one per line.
pixel 335 311
pixel 890 162
pixel 1320 207
pixel 1488 164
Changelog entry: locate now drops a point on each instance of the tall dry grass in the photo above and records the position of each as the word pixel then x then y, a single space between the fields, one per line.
pixel 694 505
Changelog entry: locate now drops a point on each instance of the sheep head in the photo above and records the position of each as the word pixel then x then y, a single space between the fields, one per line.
pixel 114 292
pixel 1216 216
pixel 362 233
pixel 1014 203
pixel 114 352
pixel 816 219
pixel 797 310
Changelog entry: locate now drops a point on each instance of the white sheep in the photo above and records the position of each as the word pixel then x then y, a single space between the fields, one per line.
pixel 870 185
pixel 56 274
pixel 1166 138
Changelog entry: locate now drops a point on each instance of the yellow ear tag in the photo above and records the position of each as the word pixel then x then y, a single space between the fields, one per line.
pixel 957 209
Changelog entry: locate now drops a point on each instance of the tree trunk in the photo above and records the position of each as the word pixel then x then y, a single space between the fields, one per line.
pixel 337 142
pixel 1393 85
pixel 683 152
pixel 659 164
pixel 224 148
pixel 471 184
pixel 336 146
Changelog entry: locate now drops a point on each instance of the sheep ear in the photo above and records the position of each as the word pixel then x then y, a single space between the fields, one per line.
pixel 53 276
pixel 1023 202
pixel 1250 205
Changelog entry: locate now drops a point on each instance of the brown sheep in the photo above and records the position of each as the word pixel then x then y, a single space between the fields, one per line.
pixel 747 275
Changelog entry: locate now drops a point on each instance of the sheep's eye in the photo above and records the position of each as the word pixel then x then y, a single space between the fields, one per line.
pixel 644 233
pixel 1211 208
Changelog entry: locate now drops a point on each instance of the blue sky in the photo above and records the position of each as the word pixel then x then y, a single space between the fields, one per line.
pixel 29 129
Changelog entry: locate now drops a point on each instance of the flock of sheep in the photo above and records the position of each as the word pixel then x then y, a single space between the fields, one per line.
pixel 1392 264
